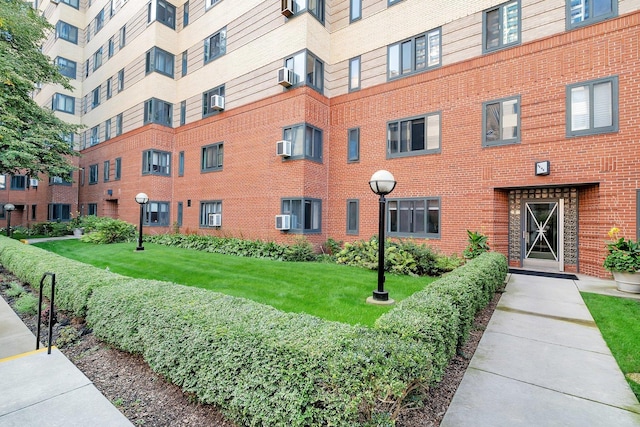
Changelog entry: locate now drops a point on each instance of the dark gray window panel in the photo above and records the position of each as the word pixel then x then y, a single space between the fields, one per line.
pixel 414 217
pixel 592 107
pixel 501 121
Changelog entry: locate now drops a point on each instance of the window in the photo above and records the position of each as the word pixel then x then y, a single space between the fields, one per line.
pixel 97 59
pixel 353 148
pixel 157 111
pixel 123 37
pixel 355 10
pixel 212 157
pixel 156 213
pixel 72 3
pixel 92 209
pixel 183 112
pixel 208 108
pixel 98 22
pixel 353 209
pixel 93 174
pixel 110 49
pixel 3 183
pixel 180 210
pixel 118 169
pixel 414 55
pixel 414 136
pixel 67 32
pixel 501 122
pixel 159 61
pixel 501 26
pixel 59 180
pixel 305 214
pixel 82 176
pixel 185 14
pixel 307 69
pixel 88 33
pixel 215 45
pixel 306 142
pixel 95 96
pixel 106 171
pixel 181 163
pixel 418 217
pixel 95 135
pixel 107 129
pixel 156 162
pixel 67 67
pixel 33 212
pixel 392 2
pixel 166 14
pixel 64 103
pixel 209 207
pixel 120 80
pixel 59 212
pixel 109 90
pixel 354 73
pixel 86 68
pixel 184 63
pixel 18 182
pixel 119 124
pixel 314 7
pixel 592 107
pixel 85 104
pixel 68 138
pixel 585 12
pixel 211 3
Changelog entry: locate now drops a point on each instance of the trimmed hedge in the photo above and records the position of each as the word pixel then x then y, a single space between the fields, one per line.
pixel 75 281
pixel 468 289
pixel 262 366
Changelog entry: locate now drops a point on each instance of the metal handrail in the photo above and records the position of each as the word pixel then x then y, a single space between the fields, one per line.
pixel 53 290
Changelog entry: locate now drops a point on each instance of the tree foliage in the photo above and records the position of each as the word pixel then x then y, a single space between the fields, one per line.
pixel 31 137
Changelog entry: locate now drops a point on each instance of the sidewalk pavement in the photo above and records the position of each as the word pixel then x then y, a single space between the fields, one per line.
pixel 543 362
pixel 45 389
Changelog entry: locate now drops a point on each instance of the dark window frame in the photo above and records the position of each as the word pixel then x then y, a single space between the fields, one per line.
pixel 615 113
pixel 500 120
pixel 353 224
pixel 216 156
pixel 209 207
pixel 211 53
pixel 353 145
pixel 311 150
pixel 162 168
pixel 394 221
pixel 412 43
pixel 93 174
pixel 501 24
pixel 413 122
pixel 159 61
pixel 591 19
pixel 162 216
pixel 305 211
pixel 206 101
pixel 158 111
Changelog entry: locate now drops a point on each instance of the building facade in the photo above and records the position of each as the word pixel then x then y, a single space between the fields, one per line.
pixel 265 119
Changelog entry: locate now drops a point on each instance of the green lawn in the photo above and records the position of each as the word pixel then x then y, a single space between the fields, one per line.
pixel 329 291
pixel 619 322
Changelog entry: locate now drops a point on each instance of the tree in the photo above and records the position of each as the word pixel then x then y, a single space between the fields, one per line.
pixel 32 138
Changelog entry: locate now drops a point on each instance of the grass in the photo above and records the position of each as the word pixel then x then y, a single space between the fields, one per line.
pixel 330 291
pixel 619 322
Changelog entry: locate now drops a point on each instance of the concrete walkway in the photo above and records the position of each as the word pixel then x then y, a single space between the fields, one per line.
pixel 45 389
pixel 543 362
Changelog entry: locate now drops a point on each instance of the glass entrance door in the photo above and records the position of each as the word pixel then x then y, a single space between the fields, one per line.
pixel 542 233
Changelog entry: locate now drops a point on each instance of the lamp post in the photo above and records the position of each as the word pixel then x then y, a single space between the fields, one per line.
pixel 381 183
pixel 142 199
pixel 9 208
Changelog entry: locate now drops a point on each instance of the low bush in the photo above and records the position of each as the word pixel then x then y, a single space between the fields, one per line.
pixel 401 257
pixel 105 230
pixel 468 289
pixel 51 229
pixel 27 303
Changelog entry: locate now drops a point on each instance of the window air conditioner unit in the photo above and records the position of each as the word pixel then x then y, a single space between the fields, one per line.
pixel 283 222
pixel 287 8
pixel 217 102
pixel 283 148
pixel 33 182
pixel 215 220
pixel 285 77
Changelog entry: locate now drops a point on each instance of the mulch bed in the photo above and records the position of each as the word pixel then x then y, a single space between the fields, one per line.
pixel 145 398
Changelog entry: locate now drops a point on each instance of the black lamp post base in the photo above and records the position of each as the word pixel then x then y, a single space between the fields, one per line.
pixel 140 248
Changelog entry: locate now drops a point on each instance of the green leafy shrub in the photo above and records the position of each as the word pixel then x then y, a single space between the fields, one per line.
pixel 445 264
pixel 67 336
pixel 27 303
pixel 51 229
pixel 401 257
pixel 105 230
pixel 477 244
pixel 300 251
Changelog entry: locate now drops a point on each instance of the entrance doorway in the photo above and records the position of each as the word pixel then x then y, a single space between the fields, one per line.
pixel 543 235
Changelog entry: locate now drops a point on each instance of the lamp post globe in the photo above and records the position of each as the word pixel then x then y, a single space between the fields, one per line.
pixel 142 199
pixel 9 207
pixel 382 183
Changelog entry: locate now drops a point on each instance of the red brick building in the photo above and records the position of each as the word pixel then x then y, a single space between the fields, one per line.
pixel 515 119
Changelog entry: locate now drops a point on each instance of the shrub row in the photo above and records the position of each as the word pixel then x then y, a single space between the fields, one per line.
pixel 442 314
pixel 262 366
pixel 75 281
